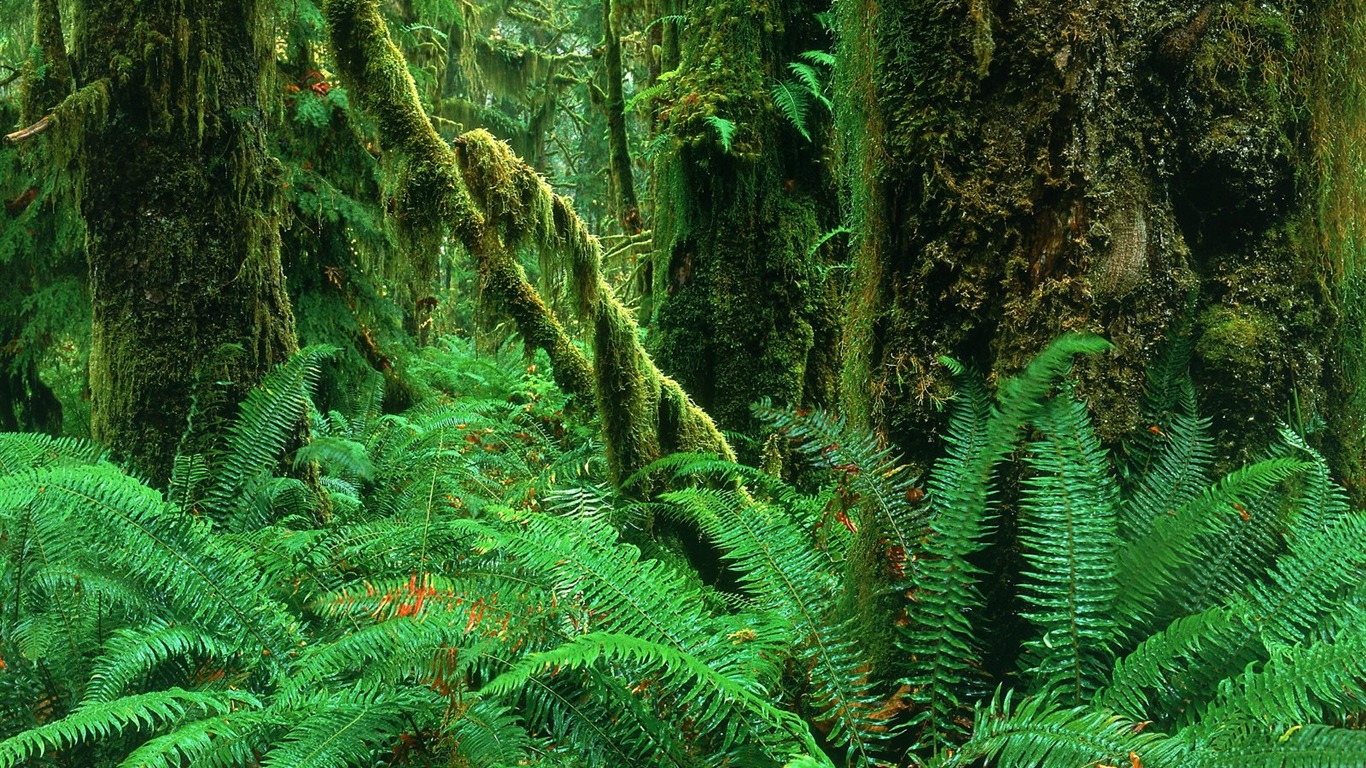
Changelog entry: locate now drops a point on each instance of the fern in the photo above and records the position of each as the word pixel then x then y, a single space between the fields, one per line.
pixel 1037 732
pixel 1068 530
pixel 1152 565
pixel 135 711
pixel 940 639
pixel 807 76
pixel 784 573
pixel 696 680
pixel 270 418
pixel 793 102
pixel 725 131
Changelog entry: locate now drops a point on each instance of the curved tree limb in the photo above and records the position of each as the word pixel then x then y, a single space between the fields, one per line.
pixel 491 201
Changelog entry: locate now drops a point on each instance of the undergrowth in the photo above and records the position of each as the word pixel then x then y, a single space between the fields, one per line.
pixel 459 584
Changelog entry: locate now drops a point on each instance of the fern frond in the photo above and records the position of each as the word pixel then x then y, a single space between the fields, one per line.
pixel 1068 520
pixel 793 102
pixel 1177 467
pixel 807 75
pixel 783 572
pixel 131 654
pixel 490 734
pixel 823 58
pixel 1180 667
pixel 97 510
pixel 725 130
pixel 1257 746
pixel 347 727
pixel 99 719
pixel 1154 682
pixel 1037 732
pixel 1153 565
pixel 876 474
pixel 1300 684
pixel 1320 502
pixel 31 450
pixel 222 740
pixel 940 639
pixel 716 698
pixel 269 418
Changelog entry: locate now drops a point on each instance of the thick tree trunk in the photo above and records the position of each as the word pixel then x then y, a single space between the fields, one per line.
pixel 179 199
pixel 1017 170
pixel 740 307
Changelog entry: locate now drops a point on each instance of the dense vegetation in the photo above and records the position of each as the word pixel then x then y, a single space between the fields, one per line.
pixel 681 382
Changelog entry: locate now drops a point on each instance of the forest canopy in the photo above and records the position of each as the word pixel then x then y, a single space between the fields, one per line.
pixel 682 382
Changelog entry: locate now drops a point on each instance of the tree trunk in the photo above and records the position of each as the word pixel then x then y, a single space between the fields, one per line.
pixel 740 305
pixel 620 174
pixel 179 197
pixel 1016 170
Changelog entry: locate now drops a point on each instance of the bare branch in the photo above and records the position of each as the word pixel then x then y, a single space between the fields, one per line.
pixel 32 130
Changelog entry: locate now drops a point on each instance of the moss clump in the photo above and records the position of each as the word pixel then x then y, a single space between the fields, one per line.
pixel 1233 340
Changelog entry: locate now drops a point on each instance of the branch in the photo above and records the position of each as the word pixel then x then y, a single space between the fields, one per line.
pixel 32 130
pixel 492 201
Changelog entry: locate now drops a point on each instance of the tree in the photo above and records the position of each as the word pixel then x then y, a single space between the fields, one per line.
pixel 1169 170
pixel 741 200
pixel 179 197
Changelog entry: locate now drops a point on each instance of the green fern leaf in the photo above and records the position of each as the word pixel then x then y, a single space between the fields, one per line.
pixel 725 130
pixel 792 101
pixel 1068 521
pixel 809 77
pixel 100 719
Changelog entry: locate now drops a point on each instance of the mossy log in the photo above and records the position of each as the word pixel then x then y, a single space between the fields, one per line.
pixel 479 193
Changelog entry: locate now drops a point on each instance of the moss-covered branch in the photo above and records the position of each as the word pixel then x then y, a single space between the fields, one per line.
pixel 492 202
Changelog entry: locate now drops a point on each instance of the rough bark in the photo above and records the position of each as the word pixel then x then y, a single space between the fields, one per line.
pixel 740 303
pixel 179 196
pixel 1017 170
pixel 479 193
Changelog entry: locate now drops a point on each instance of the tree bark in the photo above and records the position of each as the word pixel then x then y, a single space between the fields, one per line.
pixel 740 301
pixel 179 196
pixel 620 174
pixel 1017 170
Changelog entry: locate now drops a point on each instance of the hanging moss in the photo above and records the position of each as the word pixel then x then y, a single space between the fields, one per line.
pixel 492 202
pixel 181 204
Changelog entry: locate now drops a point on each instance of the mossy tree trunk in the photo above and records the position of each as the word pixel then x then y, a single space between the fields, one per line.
pixel 620 174
pixel 179 197
pixel 1016 170
pixel 741 314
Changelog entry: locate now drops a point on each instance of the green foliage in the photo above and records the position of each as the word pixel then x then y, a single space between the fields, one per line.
pixel 725 130
pixel 457 585
pixel 793 96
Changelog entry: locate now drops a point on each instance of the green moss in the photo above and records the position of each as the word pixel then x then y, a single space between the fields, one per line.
pixel 491 202
pixel 1232 339
pixel 738 296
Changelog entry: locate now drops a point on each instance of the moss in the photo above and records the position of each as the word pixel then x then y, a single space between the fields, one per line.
pixel 181 204
pixel 739 296
pixel 492 202
pixel 1232 339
